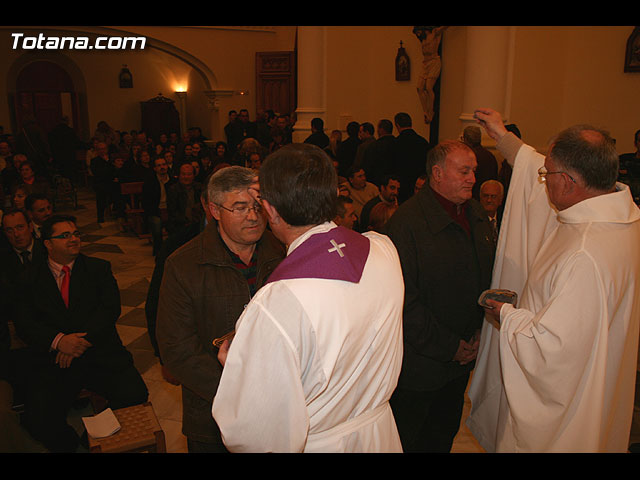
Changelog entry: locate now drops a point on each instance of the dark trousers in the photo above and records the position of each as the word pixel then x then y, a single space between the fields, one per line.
pixel 429 421
pixel 103 198
pixel 51 391
pixel 155 228
pixel 195 446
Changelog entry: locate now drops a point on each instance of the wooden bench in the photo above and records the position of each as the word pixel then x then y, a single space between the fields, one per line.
pixel 139 432
pixel 134 210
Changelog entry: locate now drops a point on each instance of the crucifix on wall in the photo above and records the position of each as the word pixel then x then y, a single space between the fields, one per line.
pixel 430 38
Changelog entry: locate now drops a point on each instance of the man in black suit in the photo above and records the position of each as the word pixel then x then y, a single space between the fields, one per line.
pixel 317 137
pixel 19 251
pixel 379 157
pixel 24 248
pixel 39 208
pixel 67 316
pixel 411 152
pixel 347 149
pixel 491 196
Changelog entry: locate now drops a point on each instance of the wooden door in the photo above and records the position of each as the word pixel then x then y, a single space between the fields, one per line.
pixel 276 82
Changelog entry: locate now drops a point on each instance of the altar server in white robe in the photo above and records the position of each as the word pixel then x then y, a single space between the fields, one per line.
pixel 557 372
pixel 318 351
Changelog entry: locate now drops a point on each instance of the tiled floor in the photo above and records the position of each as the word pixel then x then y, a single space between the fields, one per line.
pixel 132 264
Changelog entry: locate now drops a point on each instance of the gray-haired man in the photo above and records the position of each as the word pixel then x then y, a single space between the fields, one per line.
pixel 205 287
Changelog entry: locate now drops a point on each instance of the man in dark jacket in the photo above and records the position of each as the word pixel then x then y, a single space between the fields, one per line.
pixel 154 200
pixel 411 152
pixel 444 241
pixel 378 159
pixel 347 149
pixel 183 201
pixel 206 284
pixel 104 174
pixel 317 137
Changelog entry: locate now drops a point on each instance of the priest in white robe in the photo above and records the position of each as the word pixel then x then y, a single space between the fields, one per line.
pixel 318 351
pixel 557 372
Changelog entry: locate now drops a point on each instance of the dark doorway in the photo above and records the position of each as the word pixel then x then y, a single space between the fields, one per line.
pixel 45 93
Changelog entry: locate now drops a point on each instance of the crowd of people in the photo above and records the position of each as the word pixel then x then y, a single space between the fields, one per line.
pixel 261 247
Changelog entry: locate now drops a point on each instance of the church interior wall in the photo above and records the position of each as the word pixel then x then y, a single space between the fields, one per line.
pixel 561 76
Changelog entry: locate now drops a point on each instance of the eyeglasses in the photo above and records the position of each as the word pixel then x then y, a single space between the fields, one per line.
pixel 542 172
pixel 244 210
pixel 67 235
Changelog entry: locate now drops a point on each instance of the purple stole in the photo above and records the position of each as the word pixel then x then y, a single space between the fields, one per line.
pixel 339 254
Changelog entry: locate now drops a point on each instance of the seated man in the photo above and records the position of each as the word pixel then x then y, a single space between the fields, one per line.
pixel 38 208
pixel 183 201
pixel 69 327
pixel 24 251
pixel 360 190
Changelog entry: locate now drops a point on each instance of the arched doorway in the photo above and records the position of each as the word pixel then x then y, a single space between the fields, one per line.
pixel 45 93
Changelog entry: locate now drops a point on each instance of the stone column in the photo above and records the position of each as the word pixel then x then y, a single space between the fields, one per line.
pixel 488 71
pixel 311 79
pixel 182 109
pixel 218 118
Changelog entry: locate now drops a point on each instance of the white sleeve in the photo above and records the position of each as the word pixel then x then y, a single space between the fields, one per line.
pixel 537 350
pixel 260 403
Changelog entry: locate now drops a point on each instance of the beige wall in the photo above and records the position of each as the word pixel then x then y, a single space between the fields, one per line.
pixel 360 76
pixel 561 76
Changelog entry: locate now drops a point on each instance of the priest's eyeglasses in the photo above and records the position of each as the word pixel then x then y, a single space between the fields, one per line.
pixel 67 235
pixel 542 172
pixel 243 211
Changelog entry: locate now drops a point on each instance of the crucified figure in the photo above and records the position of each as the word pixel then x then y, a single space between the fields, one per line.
pixel 430 38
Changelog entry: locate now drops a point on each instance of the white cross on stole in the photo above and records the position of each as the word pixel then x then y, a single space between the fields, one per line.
pixel 337 248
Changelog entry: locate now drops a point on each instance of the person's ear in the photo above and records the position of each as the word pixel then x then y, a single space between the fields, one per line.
pixel 214 210
pixel 270 210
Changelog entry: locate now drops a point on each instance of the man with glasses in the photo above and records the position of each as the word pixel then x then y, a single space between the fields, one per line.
pixel 557 371
pixel 67 313
pixel 206 285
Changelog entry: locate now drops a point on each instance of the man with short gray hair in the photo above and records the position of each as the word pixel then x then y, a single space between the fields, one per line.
pixel 444 241
pixel 557 371
pixel 205 286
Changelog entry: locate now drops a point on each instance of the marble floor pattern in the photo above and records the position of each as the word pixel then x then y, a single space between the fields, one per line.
pixel 132 265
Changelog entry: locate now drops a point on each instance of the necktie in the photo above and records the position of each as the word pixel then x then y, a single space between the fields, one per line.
pixel 26 261
pixel 494 228
pixel 64 288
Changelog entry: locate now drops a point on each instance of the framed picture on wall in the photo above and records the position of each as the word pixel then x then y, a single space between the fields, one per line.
pixel 632 56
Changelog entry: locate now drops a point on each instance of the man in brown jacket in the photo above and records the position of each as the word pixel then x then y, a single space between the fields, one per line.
pixel 206 285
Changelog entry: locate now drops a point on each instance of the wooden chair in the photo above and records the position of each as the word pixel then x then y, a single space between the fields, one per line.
pixel 134 210
pixel 139 432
